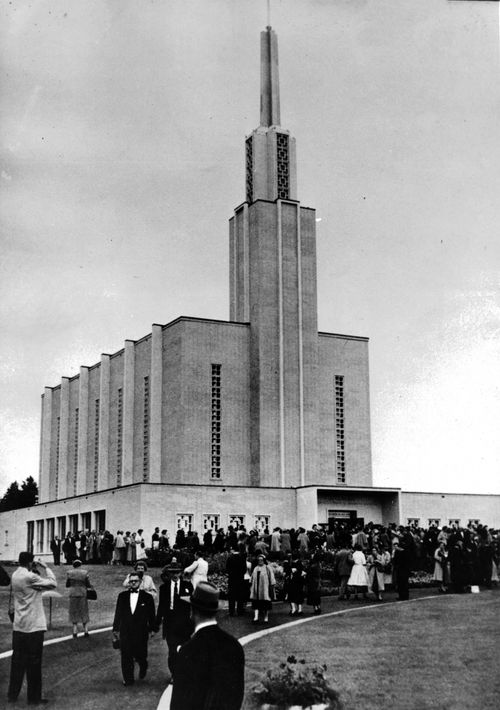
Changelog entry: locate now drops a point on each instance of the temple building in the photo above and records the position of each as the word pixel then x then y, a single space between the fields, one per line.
pixel 260 420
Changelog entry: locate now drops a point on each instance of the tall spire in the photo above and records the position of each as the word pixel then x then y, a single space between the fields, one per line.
pixel 269 79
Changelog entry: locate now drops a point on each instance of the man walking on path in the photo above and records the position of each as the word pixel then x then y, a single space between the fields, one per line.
pixel 134 621
pixel 210 668
pixel 28 582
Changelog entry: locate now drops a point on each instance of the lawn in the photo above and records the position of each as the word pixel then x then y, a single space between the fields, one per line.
pixel 440 653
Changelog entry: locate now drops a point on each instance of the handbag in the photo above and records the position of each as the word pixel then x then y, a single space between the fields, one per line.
pixel 91 593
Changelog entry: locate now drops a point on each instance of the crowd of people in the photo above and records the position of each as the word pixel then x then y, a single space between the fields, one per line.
pixel 366 560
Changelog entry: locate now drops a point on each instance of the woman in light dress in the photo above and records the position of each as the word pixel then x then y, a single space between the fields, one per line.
pixel 442 567
pixel 262 589
pixel 198 570
pixel 358 579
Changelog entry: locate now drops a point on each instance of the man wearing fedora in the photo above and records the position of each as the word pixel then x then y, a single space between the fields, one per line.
pixel 134 620
pixel 210 667
pixel 174 610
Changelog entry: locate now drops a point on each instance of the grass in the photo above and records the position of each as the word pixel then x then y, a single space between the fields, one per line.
pixel 439 654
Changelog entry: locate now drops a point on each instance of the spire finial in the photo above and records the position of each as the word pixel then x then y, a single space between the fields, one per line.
pixel 269 79
pixel 269 13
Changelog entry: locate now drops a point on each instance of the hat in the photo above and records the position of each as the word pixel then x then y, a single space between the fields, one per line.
pixel 205 597
pixel 77 562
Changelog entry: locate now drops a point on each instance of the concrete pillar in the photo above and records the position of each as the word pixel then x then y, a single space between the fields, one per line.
pixel 104 396
pixel 62 490
pixel 83 430
pixel 156 403
pixel 45 447
pixel 128 413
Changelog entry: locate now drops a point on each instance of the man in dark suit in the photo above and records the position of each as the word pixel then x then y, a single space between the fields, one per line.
pixel 174 610
pixel 210 668
pixel 134 620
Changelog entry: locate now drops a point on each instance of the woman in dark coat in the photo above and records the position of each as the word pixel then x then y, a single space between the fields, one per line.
pixel 313 583
pixel 237 588
pixel 294 583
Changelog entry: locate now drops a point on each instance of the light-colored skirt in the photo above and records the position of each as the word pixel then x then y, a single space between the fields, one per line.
pixel 359 577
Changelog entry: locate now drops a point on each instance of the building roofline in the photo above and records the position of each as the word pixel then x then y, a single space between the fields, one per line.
pixel 342 336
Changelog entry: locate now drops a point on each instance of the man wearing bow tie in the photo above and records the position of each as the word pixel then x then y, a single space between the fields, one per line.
pixel 134 621
pixel 174 610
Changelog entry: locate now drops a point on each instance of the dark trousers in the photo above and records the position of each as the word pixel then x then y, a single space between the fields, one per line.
pixel 237 605
pixel 26 658
pixel 131 653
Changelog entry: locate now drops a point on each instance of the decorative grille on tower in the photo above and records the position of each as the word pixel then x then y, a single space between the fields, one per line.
pixel 283 166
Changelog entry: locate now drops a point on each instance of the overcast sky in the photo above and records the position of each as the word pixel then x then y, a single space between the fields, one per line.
pixel 122 157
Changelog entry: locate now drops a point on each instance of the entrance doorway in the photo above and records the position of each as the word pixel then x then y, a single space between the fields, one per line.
pixel 348 518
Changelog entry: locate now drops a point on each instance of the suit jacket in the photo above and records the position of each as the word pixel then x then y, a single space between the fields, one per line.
pixel 177 621
pixel 210 671
pixel 134 628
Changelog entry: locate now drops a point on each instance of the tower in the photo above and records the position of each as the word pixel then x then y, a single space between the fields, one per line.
pixel 273 287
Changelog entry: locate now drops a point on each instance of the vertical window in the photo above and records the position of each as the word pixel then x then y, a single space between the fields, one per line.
pixel 282 164
pixel 119 438
pixel 185 522
pixel 210 522
pixel 261 523
pixel 61 526
pixel 58 447
pixel 50 528
pixel 75 450
pixel 145 432
pixel 339 428
pixel 236 521
pixel 39 535
pixel 30 534
pixel 216 423
pixel 73 523
pixel 100 520
pixel 96 445
pixel 249 168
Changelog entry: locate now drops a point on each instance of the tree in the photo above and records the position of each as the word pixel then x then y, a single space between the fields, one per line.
pixel 22 497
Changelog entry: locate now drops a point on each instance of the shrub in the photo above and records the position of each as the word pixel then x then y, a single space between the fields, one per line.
pixel 297 683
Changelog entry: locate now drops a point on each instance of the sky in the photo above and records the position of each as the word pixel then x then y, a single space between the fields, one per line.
pixel 122 129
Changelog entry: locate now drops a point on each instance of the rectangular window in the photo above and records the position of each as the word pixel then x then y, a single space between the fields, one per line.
pixel 339 428
pixel 96 445
pixel 119 438
pixel 145 432
pixel 30 535
pixel 61 526
pixel 39 536
pixel 413 521
pixel 58 448
pixel 236 521
pixel 454 522
pixel 434 521
pixel 184 522
pixel 50 528
pixel 474 521
pixel 73 523
pixel 261 523
pixel 215 465
pixel 85 521
pixel 100 520
pixel 75 450
pixel 210 522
